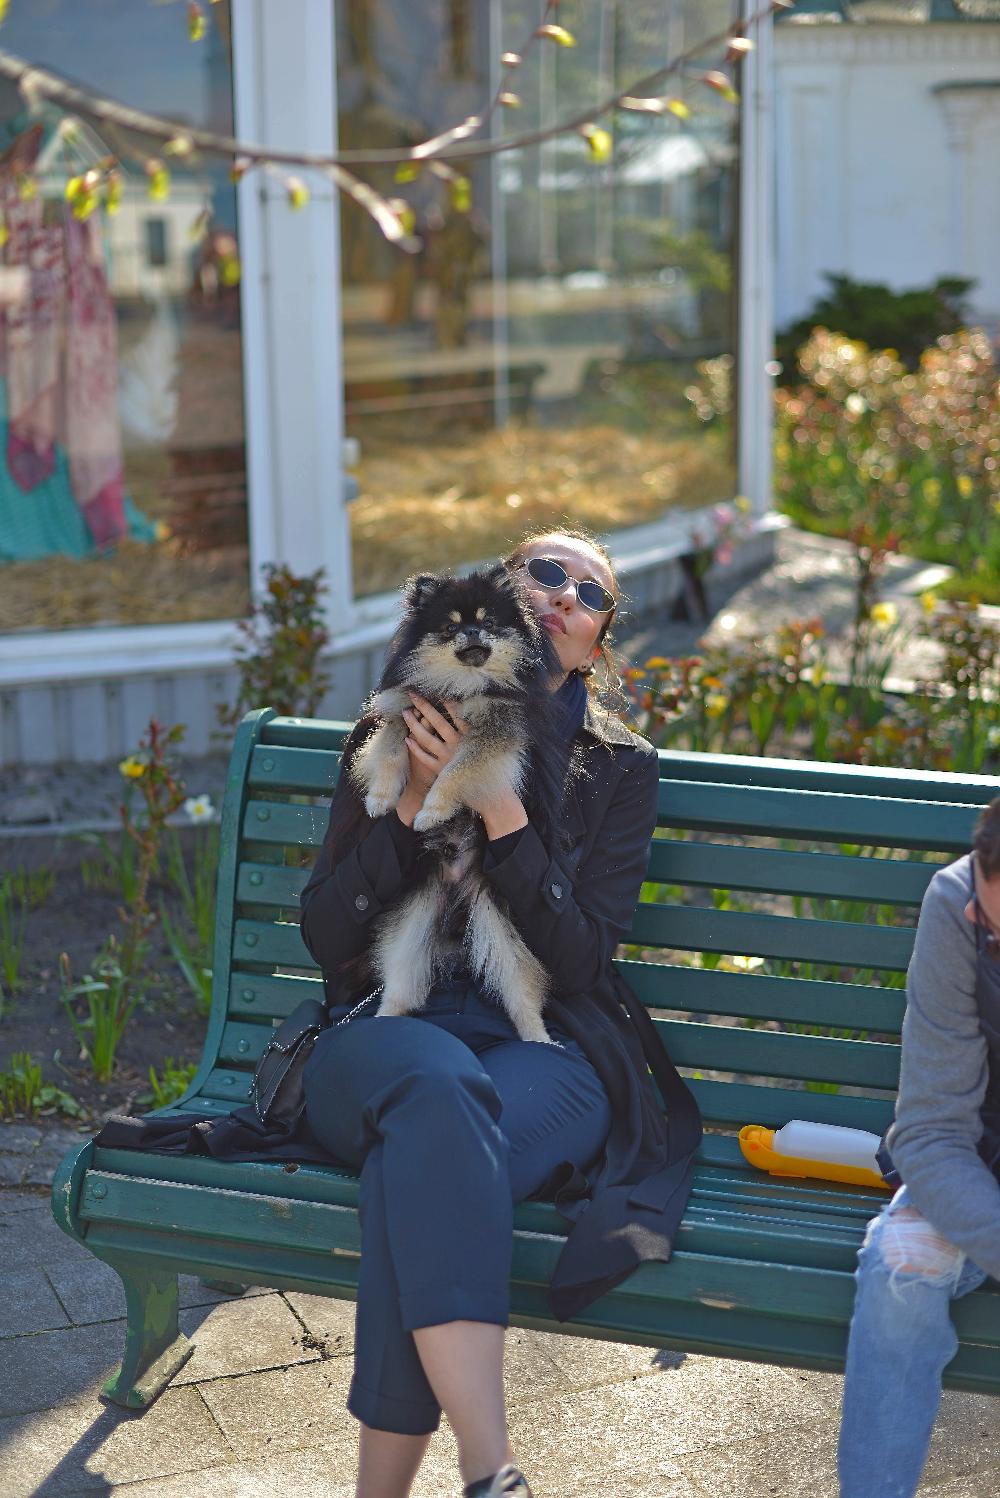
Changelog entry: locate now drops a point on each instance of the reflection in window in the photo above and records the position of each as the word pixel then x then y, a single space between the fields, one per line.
pixel 560 349
pixel 156 241
pixel 122 472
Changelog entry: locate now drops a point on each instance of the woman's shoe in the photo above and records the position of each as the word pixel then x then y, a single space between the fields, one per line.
pixel 507 1483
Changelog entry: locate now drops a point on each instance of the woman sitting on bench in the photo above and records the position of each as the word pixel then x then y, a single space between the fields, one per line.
pixel 448 1115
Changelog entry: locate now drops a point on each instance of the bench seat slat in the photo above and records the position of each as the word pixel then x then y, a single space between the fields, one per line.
pixel 819 1001
pixel 816 815
pixel 751 934
pixel 882 881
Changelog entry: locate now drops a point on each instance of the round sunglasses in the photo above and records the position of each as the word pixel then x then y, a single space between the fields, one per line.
pixel 548 573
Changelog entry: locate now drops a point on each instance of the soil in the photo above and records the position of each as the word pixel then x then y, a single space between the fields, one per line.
pixel 75 918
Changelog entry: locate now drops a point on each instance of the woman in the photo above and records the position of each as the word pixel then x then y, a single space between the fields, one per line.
pixel 449 1117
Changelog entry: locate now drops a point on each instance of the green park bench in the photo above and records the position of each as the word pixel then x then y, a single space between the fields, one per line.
pixel 834 859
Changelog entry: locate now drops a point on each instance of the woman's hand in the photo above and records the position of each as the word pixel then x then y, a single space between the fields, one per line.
pixel 433 740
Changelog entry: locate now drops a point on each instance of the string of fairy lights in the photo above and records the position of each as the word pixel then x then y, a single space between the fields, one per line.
pixel 93 186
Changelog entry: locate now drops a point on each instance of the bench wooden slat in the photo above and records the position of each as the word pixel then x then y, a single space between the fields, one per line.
pixel 309 772
pixel 257 994
pixel 713 1047
pixel 742 1103
pixel 273 943
pixel 819 816
pixel 810 775
pixel 808 1001
pixel 882 881
pixel 752 934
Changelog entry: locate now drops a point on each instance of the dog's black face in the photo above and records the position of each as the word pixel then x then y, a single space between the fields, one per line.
pixel 460 634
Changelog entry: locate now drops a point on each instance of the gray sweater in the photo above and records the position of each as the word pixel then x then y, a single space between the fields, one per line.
pixel 943 1080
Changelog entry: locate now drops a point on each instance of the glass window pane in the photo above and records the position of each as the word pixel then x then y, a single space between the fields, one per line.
pixel 122 470
pixel 562 347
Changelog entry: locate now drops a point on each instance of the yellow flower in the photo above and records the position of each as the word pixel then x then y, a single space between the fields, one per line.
pixel 657 662
pixel 782 452
pixel 196 22
pixel 932 490
pixel 884 615
pixel 132 768
pixel 716 704
pixel 964 485
pixel 161 530
pixel 679 108
pixel 817 674
pixel 742 503
pixel 928 601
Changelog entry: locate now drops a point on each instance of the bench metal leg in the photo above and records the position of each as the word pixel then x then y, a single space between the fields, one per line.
pixel 154 1348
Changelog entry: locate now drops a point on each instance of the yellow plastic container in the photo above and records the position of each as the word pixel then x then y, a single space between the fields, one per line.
pixel 756 1143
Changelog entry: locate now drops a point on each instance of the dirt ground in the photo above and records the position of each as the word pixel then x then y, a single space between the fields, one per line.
pixel 75 918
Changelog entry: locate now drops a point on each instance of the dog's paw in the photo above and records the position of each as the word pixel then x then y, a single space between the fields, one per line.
pixel 428 817
pixel 377 803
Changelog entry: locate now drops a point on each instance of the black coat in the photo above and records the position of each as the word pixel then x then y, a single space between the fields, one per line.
pixel 572 905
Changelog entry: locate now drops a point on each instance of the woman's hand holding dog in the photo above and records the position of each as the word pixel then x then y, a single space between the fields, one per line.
pixel 432 742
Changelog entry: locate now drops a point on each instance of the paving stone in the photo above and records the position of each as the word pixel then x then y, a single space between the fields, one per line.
pixel 330 1320
pixel 45 1160
pixel 43 1370
pixel 528 1371
pixel 92 1291
pixel 28 1304
pixel 33 1237
pixel 284 1409
pixel 292 1474
pixel 242 1336
pixel 19 1139
pixel 785 1463
pixel 83 1448
pixel 12 1201
pixel 586 1363
pixel 13 1169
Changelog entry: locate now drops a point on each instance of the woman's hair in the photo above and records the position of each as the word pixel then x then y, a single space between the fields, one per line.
pixel 607 685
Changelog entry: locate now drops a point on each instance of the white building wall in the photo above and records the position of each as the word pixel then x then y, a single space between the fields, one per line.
pixel 887 160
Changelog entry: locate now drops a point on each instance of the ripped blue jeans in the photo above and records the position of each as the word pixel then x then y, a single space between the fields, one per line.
pixel 900 1342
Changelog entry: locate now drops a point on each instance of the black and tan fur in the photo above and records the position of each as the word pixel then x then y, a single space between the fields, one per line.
pixel 474 641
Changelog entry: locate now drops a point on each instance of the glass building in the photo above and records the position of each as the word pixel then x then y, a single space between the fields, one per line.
pixel 209 381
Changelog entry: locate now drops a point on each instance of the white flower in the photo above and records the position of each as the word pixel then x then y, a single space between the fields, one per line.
pixel 856 404
pixel 993 737
pixel 199 808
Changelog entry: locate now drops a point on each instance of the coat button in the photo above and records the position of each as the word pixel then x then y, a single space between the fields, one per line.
pixel 361 902
pixel 556 890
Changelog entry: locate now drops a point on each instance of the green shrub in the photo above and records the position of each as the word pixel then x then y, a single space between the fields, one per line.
pixel 907 321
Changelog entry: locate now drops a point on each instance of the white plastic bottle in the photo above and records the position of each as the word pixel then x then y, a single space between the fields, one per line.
pixel 837 1145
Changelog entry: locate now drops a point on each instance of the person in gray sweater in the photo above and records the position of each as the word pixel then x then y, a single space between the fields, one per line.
pixel 939 1237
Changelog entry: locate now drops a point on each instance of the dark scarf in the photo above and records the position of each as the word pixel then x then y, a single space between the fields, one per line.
pixel 571 705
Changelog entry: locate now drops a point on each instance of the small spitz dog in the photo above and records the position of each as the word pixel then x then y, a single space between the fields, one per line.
pixel 473 640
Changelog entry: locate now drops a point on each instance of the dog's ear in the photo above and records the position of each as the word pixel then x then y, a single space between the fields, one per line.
pixel 417 590
pixel 500 576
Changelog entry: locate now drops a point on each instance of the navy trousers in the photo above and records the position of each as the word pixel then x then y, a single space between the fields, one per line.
pixel 450 1119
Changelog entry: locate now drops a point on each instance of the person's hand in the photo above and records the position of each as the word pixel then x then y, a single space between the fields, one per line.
pixel 433 740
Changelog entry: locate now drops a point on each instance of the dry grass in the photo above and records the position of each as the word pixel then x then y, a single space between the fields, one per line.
pixel 420 506
pixel 457 501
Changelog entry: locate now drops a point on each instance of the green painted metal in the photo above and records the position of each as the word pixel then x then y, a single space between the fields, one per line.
pixel 843 943
pixel 154 1347
pixel 805 1001
pixel 763 1267
pixel 818 815
pixel 823 875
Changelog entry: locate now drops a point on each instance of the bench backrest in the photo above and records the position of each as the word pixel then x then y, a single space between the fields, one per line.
pixel 771 940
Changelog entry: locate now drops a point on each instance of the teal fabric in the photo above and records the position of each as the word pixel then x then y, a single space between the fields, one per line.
pixel 47 519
